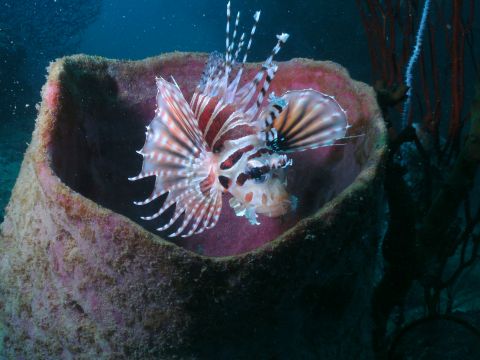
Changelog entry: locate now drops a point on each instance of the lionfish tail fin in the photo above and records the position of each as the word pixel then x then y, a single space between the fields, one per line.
pixel 176 154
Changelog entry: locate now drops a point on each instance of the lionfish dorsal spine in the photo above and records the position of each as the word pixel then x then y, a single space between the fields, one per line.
pixel 244 98
pixel 239 48
pixel 282 39
pixel 271 70
pixel 256 18
pixel 231 88
pixel 229 46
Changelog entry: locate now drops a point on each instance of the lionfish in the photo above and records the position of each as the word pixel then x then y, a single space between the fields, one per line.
pixel 225 141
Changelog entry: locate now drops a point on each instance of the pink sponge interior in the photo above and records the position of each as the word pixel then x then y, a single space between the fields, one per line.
pixel 103 109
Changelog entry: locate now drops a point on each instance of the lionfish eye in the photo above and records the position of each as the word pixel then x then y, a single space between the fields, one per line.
pixel 276 143
pixel 257 175
pixel 257 171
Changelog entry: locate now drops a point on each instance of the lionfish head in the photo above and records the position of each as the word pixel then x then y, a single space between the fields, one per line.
pixel 257 181
pixel 265 186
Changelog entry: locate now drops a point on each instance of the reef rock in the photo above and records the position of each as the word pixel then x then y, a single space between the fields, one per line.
pixel 82 277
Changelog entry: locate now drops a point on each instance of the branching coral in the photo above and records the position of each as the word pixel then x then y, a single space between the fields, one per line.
pixel 412 61
pixel 432 235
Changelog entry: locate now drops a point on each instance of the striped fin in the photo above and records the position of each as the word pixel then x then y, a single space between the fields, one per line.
pixel 241 42
pixel 176 153
pixel 213 67
pixel 271 71
pixel 232 87
pixel 228 64
pixel 256 18
pixel 229 46
pixel 215 80
pixel 245 95
pixel 301 120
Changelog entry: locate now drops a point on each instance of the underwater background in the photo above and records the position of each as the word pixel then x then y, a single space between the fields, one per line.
pixel 407 308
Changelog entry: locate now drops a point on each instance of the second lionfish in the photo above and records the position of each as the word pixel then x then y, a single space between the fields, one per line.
pixel 226 141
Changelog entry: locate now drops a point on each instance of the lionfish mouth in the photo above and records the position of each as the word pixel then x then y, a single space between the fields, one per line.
pixel 282 205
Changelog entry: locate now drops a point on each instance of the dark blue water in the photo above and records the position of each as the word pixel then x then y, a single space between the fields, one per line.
pixel 318 29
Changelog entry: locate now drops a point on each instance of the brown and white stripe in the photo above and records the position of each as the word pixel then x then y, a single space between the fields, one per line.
pixel 310 120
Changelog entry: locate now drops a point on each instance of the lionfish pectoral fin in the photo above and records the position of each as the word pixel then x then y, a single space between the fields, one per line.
pixel 302 120
pixel 252 216
pixel 176 153
pixel 242 210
